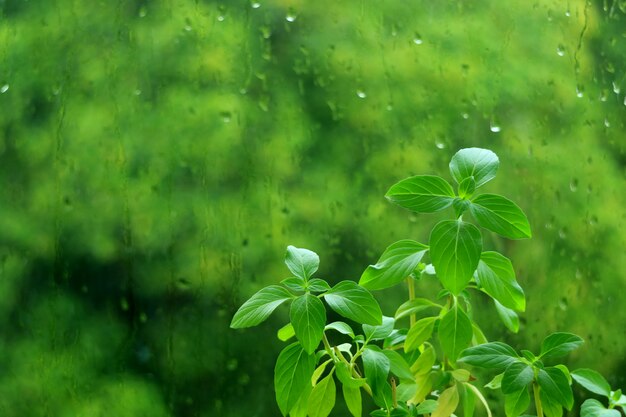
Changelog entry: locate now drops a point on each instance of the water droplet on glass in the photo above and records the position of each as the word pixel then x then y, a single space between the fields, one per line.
pixel 256 5
pixel 465 116
pixel 624 100
pixel 226 116
pixel 417 39
pixel 143 11
pixel 494 126
pixel 607 123
pixel 573 185
pixel 616 88
pixel 137 92
pixel 567 13
pixel 560 50
pixel 361 94
pixel 291 17
pixel 440 145
pixel 389 106
pixel 563 304
pixel 562 233
pixel 579 91
pixel 221 18
pixel 4 88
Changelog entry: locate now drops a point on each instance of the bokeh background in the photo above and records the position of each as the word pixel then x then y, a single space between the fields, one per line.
pixel 157 157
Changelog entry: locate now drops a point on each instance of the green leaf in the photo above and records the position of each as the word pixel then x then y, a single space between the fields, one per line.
pixel 395 264
pixel 301 407
pixel 515 403
pixel 286 332
pixel 592 381
pixel 469 401
pixel 467 187
pixel 292 375
pixel 555 385
pixel 398 365
pixel 379 332
pixel 405 391
pixel 551 407
pixel 493 355
pixel 414 306
pixel 308 318
pixel 322 399
pixel 460 206
pixel 516 377
pixel 318 285
pixel 422 193
pixel 341 327
pixel 420 332
pixel 559 344
pixel 500 215
pixel 461 375
pixel 377 367
pixel 425 362
pixel 594 408
pixel 426 407
pixel 508 317
pixel 352 397
pixel 496 277
pixel 447 403
pixel 455 248
pixel 479 337
pixel 318 372
pixel 455 332
pixel 294 284
pixel 260 306
pixel 395 338
pixel 496 382
pixel 354 302
pixel 344 373
pixel 482 164
pixel 301 262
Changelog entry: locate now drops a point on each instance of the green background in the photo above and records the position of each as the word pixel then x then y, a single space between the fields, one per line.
pixel 157 157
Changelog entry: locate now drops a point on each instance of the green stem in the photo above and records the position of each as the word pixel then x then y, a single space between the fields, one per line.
pixel 411 285
pixel 327 346
pixel 537 400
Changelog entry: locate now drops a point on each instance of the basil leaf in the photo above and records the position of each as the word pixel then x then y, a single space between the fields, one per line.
pixel 455 332
pixel 292 375
pixel 308 318
pixel 354 302
pixel 482 164
pixel 395 264
pixel 301 262
pixel 517 376
pixel 594 408
pixel 559 344
pixel 259 307
pixel 592 381
pixel 322 399
pixel 493 355
pixel 420 332
pixel 500 215
pixel 555 385
pixel 496 277
pixel 422 194
pixel 515 403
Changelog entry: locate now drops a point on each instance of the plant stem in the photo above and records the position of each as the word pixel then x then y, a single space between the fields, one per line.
pixel 327 346
pixel 537 400
pixel 411 285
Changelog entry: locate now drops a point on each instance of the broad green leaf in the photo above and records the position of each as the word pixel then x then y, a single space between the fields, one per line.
pixel 594 408
pixel 301 262
pixel 461 375
pixel 566 372
pixel 420 332
pixel 292 375
pixel 377 367
pixel 592 381
pixel 467 187
pixel 551 407
pixel 496 382
pixel 559 344
pixel 406 390
pixel 398 365
pixel 395 338
pixel 286 332
pixel 352 397
pixel 318 372
pixel 414 306
pixel 395 264
pixel 354 302
pixel 400 411
pixel 455 332
pixel 447 402
pixel 341 327
pixel 294 284
pixel 482 164
pixel 317 285
pixel 344 373
pixel 260 306
pixel 308 318
pixel 322 399
pixel 493 355
pixel 508 317
pixel 455 248
pixel 515 403
pixel 300 409
pixel 422 193
pixel 479 337
pixel 555 385
pixel 381 331
pixel 480 396
pixel 460 206
pixel 500 215
pixel 425 362
pixel 426 407
pixel 424 387
pixel 496 277
pixel 517 376
pixel 469 401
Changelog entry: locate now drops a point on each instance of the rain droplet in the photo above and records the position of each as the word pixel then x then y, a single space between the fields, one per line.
pixel 560 50
pixel 143 11
pixel 607 123
pixel 256 5
pixel 417 39
pixel 220 18
pixel 440 145
pixel 291 17
pixel 567 13
pixel 137 92
pixel 389 106
pixel 616 88
pixel 226 116
pixel 494 126
pixel 465 116
pixel 361 94
pixel 563 304
pixel 562 233
pixel 624 100
pixel 573 185
pixel 4 88
pixel 579 91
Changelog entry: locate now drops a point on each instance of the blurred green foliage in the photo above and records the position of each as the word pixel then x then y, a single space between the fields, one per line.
pixel 157 157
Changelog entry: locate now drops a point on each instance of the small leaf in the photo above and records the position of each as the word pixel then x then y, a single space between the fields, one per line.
pixel 322 399
pixel 517 376
pixel 352 397
pixel 395 338
pixel 461 375
pixel 447 403
pixel 482 164
pixel 500 215
pixel 515 403
pixel 493 355
pixel 508 317
pixel 551 407
pixel 455 248
pixel 318 372
pixel 317 285
pixel 455 332
pixel 301 262
pixel 308 318
pixel 259 307
pixel 479 337
pixel 496 382
pixel 301 407
pixel 294 284
pixel 341 327
pixel 426 407
pixel 424 387
pixel 422 193
pixel 496 277
pixel 354 302
pixel 395 264
pixel 377 367
pixel 292 375
pixel 425 362
pixel 420 332
pixel 592 381
pixel 379 332
pixel 414 306
pixel 286 332
pixel 559 344
pixel 344 374
pixel 405 391
pixel 398 365
pixel 554 383
pixel 467 187
pixel 594 408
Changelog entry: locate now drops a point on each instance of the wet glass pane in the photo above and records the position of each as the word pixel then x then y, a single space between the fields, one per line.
pixel 157 158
